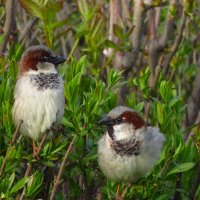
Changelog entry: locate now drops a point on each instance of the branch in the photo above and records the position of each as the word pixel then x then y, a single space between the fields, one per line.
pixel 158 44
pixel 153 87
pixel 9 22
pixel 195 185
pixel 62 169
pixel 138 22
pixel 27 30
pixel 27 173
pixel 168 28
pixel 72 51
pixel 115 16
pixel 42 143
pixel 152 24
pixel 29 166
pixel 153 52
pixel 177 194
pixel 125 13
pixel 193 105
pixel 176 44
pixel 126 61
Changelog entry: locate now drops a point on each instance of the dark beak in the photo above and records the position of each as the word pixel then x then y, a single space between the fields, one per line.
pixel 58 60
pixel 106 121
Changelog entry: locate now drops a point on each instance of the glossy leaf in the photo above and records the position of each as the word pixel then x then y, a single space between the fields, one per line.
pixel 182 168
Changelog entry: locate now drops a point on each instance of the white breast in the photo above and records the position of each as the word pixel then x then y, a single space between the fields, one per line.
pixel 130 168
pixel 39 110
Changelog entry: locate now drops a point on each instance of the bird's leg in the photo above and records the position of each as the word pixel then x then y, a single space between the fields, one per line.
pixel 35 150
pixel 118 195
pixel 42 143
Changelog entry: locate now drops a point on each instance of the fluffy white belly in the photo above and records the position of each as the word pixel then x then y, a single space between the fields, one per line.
pixel 39 109
pixel 130 168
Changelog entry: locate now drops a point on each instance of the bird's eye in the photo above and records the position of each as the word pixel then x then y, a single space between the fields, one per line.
pixel 43 59
pixel 118 120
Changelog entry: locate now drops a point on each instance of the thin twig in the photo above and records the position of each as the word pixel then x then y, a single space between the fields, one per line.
pixel 125 13
pixel 146 112
pixel 42 143
pixel 138 22
pixel 168 28
pixel 9 22
pixel 118 196
pixel 124 193
pixel 153 86
pixel 156 44
pixel 195 185
pixel 27 30
pixel 165 166
pixel 193 105
pixel 177 194
pixel 195 142
pixel 27 173
pixel 29 168
pixel 176 44
pixel 73 50
pixel 11 143
pixel 16 132
pixel 108 60
pixel 57 181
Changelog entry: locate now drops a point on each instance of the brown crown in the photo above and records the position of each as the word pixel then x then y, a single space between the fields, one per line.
pixel 30 59
pixel 134 118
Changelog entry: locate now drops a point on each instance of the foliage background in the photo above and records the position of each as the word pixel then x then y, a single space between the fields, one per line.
pixel 144 54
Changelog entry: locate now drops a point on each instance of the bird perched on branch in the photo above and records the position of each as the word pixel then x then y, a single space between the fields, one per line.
pixel 129 149
pixel 38 94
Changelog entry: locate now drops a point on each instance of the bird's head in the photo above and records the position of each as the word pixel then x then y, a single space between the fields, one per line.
pixel 39 58
pixel 122 122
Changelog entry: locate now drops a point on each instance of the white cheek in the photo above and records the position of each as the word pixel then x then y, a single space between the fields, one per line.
pixel 46 67
pixel 123 131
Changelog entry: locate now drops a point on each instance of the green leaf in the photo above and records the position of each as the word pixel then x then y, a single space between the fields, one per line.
pixel 81 30
pixel 11 152
pixel 34 184
pixel 139 106
pixel 11 179
pixel 49 164
pixel 110 44
pixel 67 122
pixel 160 109
pixel 32 8
pixel 164 196
pixel 118 31
pixel 2 195
pixel 165 91
pixel 178 149
pixel 89 158
pixel 19 185
pixel 113 79
pixel 174 101
pixel 182 168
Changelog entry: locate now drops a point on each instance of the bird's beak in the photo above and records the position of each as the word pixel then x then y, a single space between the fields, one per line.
pixel 106 121
pixel 58 60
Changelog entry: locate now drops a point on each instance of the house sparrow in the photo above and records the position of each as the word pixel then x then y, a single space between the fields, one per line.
pixel 129 149
pixel 38 94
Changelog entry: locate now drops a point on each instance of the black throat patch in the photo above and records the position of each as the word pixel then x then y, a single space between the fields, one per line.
pixel 126 147
pixel 46 81
pixel 111 132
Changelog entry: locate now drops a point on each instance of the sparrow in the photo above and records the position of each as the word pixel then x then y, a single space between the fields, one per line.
pixel 129 148
pixel 38 94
